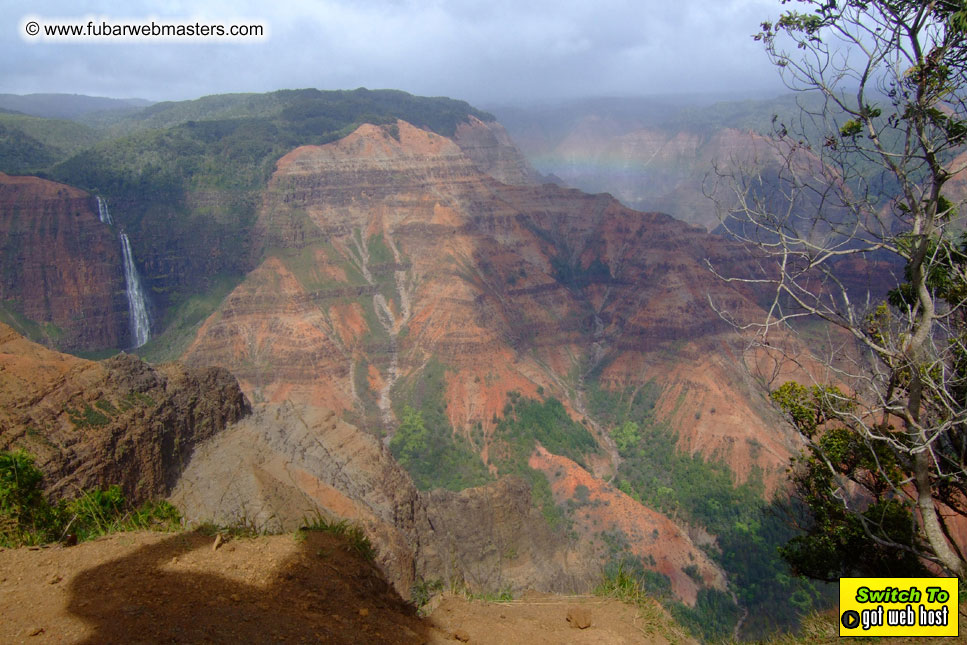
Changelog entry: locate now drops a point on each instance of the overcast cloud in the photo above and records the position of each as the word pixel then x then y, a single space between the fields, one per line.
pixel 484 51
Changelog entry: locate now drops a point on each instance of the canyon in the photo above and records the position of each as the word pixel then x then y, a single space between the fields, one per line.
pixel 382 253
pixel 398 290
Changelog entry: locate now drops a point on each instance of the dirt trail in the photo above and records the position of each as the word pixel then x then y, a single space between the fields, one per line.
pixel 175 588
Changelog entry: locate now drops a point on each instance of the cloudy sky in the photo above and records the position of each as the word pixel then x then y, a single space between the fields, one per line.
pixel 484 51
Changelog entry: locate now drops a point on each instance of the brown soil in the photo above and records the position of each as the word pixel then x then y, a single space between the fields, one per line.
pixel 175 588
pixel 544 618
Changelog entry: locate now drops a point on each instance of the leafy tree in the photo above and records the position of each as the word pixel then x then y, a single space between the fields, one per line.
pixel 887 463
pixel 27 517
pixel 626 436
pixel 411 439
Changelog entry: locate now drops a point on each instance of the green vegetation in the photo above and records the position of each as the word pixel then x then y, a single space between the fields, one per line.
pixel 622 584
pixel 27 517
pixel 38 332
pixel 748 530
pixel 87 418
pixel 624 566
pixel 29 144
pixel 184 179
pixel 355 538
pixel 20 153
pixel 838 542
pixel 316 111
pixel 713 617
pixel 425 443
pixel 527 422
pixel 99 512
pixel 500 595
pixel 433 456
pixel 232 141
pixel 893 97
pixel 183 320
pixel 570 272
pixel 423 590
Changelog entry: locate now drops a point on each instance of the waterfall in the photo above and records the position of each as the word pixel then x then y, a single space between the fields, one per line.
pixel 140 325
pixel 103 212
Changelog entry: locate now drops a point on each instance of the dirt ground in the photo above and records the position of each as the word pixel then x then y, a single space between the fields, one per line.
pixel 176 588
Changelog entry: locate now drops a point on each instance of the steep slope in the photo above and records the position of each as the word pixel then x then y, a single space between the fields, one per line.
pixel 448 314
pixel 184 179
pixel 121 421
pixel 382 252
pixel 670 170
pixel 285 464
pixel 493 152
pixel 60 265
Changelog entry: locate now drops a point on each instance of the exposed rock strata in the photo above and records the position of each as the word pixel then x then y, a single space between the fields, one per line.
pixel 60 265
pixel 285 464
pixel 668 169
pixel 120 421
pixel 386 248
pixel 493 152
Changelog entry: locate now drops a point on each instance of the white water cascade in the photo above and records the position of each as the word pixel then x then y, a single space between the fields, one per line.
pixel 140 325
pixel 103 212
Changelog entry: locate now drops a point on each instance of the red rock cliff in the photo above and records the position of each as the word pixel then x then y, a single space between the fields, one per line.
pixel 390 246
pixel 60 265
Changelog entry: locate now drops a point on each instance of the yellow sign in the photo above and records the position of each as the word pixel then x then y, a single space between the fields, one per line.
pixel 898 607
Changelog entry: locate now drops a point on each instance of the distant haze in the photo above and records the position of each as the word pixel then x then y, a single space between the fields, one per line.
pixel 484 51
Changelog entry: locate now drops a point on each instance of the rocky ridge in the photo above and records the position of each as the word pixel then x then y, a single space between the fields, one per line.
pixel 288 464
pixel 120 421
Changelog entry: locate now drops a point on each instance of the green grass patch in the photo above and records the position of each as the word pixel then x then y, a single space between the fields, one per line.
pixel 356 539
pixel 623 584
pixel 87 417
pixel 44 333
pixel 379 252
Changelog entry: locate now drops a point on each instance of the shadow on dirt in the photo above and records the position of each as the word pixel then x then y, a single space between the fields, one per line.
pixel 322 592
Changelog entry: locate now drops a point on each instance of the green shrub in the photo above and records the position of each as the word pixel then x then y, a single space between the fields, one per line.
pixel 713 617
pixel 27 517
pixel 95 512
pixel 422 590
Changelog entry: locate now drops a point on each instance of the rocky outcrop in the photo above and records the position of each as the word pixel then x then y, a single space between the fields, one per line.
pixel 288 464
pixel 60 265
pixel 651 536
pixel 120 421
pixel 492 151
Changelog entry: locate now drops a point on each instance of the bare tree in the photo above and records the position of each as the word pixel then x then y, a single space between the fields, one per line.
pixel 862 186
